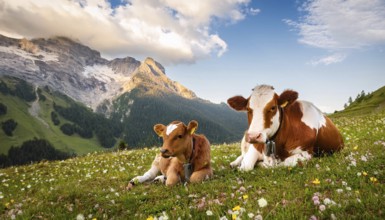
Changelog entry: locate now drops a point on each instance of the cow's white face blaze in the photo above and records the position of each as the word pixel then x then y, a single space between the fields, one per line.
pixel 263 114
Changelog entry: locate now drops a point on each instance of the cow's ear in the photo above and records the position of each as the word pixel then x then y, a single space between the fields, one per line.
pixel 287 97
pixel 159 128
pixel 238 103
pixel 192 126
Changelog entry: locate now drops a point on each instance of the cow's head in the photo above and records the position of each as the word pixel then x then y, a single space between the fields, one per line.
pixel 262 111
pixel 176 137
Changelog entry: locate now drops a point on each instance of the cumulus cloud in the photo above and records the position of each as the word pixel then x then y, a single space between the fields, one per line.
pixel 341 25
pixel 171 31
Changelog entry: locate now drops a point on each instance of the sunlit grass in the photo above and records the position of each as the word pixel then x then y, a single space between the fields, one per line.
pixel 349 184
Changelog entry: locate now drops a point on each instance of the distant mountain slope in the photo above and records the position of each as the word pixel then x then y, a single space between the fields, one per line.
pixel 132 95
pixel 37 123
pixel 371 103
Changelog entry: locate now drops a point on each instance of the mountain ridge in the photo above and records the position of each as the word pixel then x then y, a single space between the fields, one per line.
pixel 133 95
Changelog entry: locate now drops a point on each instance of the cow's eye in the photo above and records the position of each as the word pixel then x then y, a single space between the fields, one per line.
pixel 180 136
pixel 273 108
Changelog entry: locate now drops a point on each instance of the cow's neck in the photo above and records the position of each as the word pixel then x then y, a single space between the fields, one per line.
pixel 187 156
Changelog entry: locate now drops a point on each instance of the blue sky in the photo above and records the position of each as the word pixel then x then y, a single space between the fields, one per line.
pixel 327 50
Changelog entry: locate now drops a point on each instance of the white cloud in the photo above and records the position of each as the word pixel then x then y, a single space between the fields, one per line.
pixel 171 31
pixel 341 25
pixel 334 58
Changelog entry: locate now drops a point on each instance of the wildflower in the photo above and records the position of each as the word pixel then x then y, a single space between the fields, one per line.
pixel 355 148
pixel 80 217
pixel 245 197
pixel 316 181
pixel 237 208
pixel 313 217
pixel 258 217
pixel 322 208
pixel 373 179
pixel 209 213
pixel 233 216
pixel 251 215
pixel 150 218
pixel 262 202
pixel 364 173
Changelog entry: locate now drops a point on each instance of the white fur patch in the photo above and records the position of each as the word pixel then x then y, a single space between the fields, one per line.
pixel 298 155
pixel 258 100
pixel 171 128
pixel 250 158
pixel 312 116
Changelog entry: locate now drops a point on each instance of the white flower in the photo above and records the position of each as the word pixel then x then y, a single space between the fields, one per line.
pixel 262 202
pixel 209 213
pixel 80 217
pixel 322 208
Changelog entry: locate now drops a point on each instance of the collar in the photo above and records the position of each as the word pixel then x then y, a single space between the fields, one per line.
pixel 270 142
pixel 188 167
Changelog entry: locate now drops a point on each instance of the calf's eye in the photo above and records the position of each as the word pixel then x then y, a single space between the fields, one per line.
pixel 273 108
pixel 179 136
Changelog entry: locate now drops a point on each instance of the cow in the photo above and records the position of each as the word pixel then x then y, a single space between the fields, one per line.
pixel 184 156
pixel 282 130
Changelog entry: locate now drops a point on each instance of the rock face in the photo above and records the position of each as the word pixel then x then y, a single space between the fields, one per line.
pixel 80 72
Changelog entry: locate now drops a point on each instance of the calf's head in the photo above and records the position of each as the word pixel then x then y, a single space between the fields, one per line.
pixel 176 137
pixel 262 111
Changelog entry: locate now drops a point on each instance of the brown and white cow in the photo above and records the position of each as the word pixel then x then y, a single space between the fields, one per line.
pixel 184 156
pixel 282 130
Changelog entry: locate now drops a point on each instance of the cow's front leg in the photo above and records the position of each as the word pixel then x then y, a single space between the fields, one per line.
pixel 244 148
pixel 150 174
pixel 250 158
pixel 237 162
pixel 299 155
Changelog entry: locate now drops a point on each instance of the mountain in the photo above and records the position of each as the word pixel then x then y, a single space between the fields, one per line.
pixel 98 101
pixel 365 104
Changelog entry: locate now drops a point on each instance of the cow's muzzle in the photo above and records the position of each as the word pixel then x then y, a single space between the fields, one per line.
pixel 165 153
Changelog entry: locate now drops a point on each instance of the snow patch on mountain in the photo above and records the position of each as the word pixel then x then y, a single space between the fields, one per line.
pixel 40 55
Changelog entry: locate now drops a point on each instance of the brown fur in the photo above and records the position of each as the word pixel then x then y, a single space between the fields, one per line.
pixel 178 145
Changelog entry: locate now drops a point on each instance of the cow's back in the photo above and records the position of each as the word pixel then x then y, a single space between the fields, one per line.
pixel 329 139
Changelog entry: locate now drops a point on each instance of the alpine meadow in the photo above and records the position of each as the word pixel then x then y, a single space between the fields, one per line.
pixel 179 110
pixel 346 185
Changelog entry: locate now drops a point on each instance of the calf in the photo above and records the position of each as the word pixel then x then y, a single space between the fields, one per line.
pixel 282 130
pixel 184 156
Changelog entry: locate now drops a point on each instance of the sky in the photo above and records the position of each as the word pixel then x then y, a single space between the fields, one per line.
pixel 327 50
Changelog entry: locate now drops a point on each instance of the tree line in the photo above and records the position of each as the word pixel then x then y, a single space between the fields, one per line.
pixel 32 151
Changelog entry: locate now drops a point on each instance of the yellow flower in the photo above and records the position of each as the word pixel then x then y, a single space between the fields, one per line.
pixel 364 173
pixel 357 192
pixel 373 179
pixel 237 208
pixel 94 219
pixel 233 216
pixel 355 147
pixel 245 196
pixel 316 181
pixel 150 218
pixel 290 168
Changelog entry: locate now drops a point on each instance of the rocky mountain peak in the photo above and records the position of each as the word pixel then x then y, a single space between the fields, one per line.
pixel 80 72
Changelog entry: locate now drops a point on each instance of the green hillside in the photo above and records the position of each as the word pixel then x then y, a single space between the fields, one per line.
pixel 367 104
pixel 348 185
pixel 29 127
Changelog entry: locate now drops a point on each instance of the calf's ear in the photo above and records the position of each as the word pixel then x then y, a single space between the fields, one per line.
pixel 159 128
pixel 238 103
pixel 192 126
pixel 287 97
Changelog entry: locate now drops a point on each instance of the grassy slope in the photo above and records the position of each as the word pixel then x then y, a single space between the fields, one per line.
pixel 351 185
pixel 372 103
pixel 29 127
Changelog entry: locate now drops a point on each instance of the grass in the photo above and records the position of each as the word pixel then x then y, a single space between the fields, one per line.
pixel 347 185
pixel 30 127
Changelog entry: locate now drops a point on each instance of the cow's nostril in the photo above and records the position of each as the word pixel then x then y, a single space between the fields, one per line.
pixel 163 151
